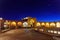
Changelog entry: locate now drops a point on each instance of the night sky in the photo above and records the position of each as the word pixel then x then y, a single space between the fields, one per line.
pixel 43 10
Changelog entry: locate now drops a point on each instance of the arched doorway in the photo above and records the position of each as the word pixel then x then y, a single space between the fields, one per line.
pixel 25 24
pixel 19 24
pixel 13 25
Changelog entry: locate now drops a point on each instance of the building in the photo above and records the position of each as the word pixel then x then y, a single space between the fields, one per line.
pixel 30 22
pixel 12 24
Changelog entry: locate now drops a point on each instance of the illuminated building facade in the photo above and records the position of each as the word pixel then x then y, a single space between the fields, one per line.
pixel 29 22
pixel 12 24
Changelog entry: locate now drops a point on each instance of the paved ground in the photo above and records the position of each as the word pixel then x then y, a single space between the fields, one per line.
pixel 56 38
pixel 24 34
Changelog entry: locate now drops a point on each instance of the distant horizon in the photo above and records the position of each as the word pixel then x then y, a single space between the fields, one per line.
pixel 36 19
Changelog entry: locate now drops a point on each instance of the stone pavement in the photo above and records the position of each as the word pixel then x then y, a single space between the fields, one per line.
pixel 24 34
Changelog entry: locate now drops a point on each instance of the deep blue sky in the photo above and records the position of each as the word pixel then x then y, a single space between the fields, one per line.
pixel 43 10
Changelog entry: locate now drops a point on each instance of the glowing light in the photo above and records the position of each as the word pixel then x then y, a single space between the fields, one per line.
pixel 19 23
pixel 13 23
pixel 55 31
pixel 52 31
pixel 25 24
pixel 47 24
pixel 58 32
pixel 6 22
pixel 1 18
pixel 26 17
pixel 32 21
pixel 52 24
pixel 38 24
pixel 42 24
pixel 57 24
pixel 5 25
pixel 49 31
pixel 41 30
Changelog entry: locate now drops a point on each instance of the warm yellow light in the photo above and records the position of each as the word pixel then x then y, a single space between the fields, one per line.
pixel 52 24
pixel 9 23
pixel 55 31
pixel 6 22
pixel 36 29
pixel 58 32
pixel 57 24
pixel 19 23
pixel 42 24
pixel 41 30
pixel 32 21
pixel 49 30
pixel 38 24
pixel 52 31
pixel 47 24
pixel 13 23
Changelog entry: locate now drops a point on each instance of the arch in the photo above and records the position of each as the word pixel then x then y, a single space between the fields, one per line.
pixel 58 24
pixel 13 23
pixel 38 24
pixel 47 24
pixel 52 24
pixel 19 23
pixel 42 24
pixel 25 24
